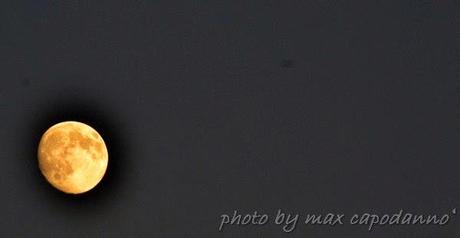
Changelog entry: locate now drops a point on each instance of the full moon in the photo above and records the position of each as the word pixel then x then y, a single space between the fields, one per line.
pixel 73 157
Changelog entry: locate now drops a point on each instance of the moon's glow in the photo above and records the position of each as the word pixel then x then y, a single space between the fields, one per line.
pixel 73 157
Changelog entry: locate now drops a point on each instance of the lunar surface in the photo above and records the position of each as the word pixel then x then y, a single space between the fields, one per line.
pixel 73 157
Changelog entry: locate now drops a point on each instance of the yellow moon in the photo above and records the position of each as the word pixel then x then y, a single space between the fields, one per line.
pixel 73 157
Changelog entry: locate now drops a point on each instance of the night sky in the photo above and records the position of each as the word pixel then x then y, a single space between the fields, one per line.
pixel 207 107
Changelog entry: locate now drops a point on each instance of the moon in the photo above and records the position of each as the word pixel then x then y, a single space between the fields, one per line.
pixel 73 157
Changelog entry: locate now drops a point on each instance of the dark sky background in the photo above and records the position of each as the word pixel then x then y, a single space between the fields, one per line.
pixel 210 106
